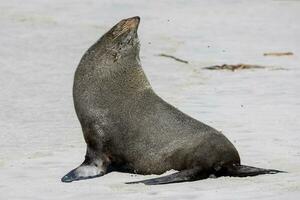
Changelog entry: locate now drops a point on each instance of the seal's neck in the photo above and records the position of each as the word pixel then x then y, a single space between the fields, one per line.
pixel 125 77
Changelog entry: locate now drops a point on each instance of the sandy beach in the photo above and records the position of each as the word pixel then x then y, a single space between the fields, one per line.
pixel 257 109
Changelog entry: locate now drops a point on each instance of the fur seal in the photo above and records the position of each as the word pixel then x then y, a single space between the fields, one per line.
pixel 127 127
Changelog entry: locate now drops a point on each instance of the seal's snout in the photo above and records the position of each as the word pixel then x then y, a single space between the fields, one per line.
pixel 124 27
pixel 132 23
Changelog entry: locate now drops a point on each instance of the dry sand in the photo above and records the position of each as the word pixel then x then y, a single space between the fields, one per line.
pixel 258 110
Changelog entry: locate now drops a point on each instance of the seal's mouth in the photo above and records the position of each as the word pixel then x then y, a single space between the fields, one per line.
pixel 131 23
pixel 126 26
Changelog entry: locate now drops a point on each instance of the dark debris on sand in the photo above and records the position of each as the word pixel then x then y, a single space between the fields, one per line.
pixel 234 67
pixel 173 57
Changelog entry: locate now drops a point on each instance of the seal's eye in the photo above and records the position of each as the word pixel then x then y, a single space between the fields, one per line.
pixel 121 45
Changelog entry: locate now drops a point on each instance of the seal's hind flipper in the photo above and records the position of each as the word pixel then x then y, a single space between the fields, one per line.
pixel 243 171
pixel 182 176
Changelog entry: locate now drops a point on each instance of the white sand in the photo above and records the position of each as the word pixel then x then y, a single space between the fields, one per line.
pixel 259 110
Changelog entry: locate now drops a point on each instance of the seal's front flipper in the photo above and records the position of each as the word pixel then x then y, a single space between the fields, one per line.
pixel 83 172
pixel 94 165
pixel 243 171
pixel 182 176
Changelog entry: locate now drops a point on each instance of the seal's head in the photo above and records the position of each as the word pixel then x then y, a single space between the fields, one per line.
pixel 122 39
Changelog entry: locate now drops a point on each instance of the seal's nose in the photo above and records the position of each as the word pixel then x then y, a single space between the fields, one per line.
pixel 132 22
pixel 137 18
